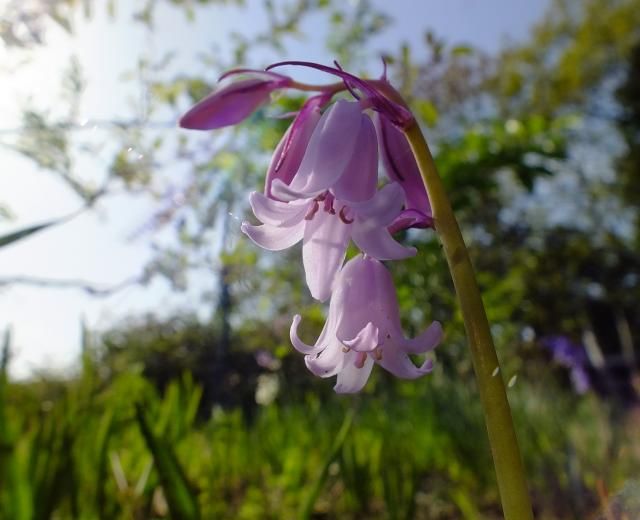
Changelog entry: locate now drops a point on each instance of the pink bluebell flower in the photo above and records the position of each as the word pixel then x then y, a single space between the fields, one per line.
pixel 363 328
pixel 235 101
pixel 396 154
pixel 331 199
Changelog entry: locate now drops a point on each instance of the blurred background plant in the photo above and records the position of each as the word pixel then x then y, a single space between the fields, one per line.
pixel 207 413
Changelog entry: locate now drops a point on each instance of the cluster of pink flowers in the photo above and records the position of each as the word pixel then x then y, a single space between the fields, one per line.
pixel 322 189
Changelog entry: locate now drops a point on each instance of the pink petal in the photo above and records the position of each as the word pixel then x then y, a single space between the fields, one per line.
pixel 399 364
pixel 400 165
pixel 276 213
pixel 410 218
pixel 289 153
pixel 366 340
pixel 325 245
pixel 425 342
pixel 328 363
pixel 329 152
pixel 300 345
pixel 274 238
pixel 379 244
pixel 352 379
pixel 360 178
pixel 366 291
pixel 382 209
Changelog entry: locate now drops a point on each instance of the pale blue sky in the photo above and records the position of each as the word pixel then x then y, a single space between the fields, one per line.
pixel 95 246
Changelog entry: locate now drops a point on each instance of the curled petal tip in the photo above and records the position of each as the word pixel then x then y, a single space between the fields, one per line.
pixel 379 244
pixel 411 218
pixel 273 238
pixel 426 341
pixel 297 343
pixel 426 367
pixel 367 340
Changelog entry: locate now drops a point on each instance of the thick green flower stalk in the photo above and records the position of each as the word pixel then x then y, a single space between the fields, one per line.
pixel 321 190
pixel 502 436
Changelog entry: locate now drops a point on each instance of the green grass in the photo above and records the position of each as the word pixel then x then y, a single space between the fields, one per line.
pixel 116 449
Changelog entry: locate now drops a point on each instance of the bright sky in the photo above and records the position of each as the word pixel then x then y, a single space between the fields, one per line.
pixel 96 246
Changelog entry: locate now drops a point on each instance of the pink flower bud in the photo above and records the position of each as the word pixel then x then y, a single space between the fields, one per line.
pixel 234 102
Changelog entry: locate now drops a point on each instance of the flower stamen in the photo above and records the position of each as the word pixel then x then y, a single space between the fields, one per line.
pixel 312 210
pixel 328 204
pixel 361 357
pixel 344 217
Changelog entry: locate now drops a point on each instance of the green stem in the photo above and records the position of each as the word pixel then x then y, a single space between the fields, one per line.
pixel 510 475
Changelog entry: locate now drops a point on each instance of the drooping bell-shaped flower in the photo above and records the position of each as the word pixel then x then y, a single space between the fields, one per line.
pixel 344 135
pixel 235 101
pixel 331 199
pixel 401 167
pixel 363 328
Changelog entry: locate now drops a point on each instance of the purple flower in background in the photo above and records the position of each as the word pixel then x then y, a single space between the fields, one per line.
pixel 364 327
pixel 331 199
pixel 234 102
pixel 267 360
pixel 564 351
pixel 572 356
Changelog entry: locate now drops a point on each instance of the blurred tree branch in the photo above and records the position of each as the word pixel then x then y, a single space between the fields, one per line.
pixel 81 285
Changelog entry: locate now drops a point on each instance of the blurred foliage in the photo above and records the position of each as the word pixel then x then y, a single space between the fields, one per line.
pixel 628 95
pixel 115 447
pixel 577 45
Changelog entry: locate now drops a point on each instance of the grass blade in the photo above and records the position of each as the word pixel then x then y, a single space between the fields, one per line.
pixel 180 497
pixel 318 484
